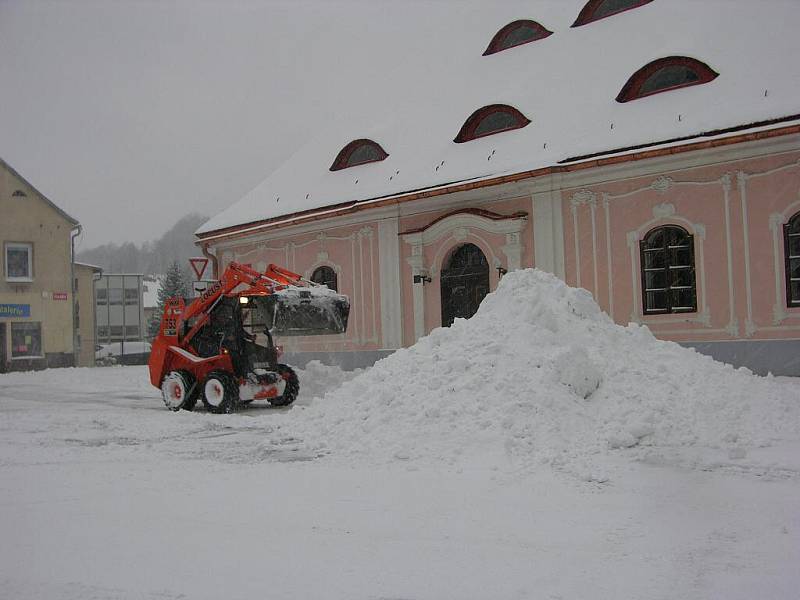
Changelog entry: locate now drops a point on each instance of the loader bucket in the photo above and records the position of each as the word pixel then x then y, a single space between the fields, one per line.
pixel 305 311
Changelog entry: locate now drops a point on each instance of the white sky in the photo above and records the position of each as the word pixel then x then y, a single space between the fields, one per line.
pixel 129 115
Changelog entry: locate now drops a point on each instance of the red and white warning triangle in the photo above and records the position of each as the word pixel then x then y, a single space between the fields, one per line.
pixel 198 265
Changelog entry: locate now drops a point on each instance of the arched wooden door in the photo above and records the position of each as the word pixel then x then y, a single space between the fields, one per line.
pixel 464 283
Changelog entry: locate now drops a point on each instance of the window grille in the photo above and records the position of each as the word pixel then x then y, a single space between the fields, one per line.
pixel 668 274
pixel 326 276
pixel 791 241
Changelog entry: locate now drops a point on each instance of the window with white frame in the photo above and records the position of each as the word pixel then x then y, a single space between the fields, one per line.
pixel 667 261
pixel 26 340
pixel 18 261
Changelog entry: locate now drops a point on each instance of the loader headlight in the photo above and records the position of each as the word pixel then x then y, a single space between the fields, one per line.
pixel 243 299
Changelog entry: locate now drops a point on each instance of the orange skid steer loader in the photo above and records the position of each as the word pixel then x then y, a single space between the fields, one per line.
pixel 220 348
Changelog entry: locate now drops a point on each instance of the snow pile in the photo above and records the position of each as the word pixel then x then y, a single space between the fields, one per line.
pixel 541 374
pixel 316 379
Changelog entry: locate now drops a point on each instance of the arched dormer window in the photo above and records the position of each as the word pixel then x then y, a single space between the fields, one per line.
pixel 667 263
pixel 358 152
pixel 666 74
pixel 594 10
pixel 490 120
pixel 326 276
pixel 791 243
pixel 516 34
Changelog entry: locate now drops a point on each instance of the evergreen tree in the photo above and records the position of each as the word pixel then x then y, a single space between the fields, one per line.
pixel 173 284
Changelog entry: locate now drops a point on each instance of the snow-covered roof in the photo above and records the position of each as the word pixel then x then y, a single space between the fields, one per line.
pixel 89 266
pixel 566 84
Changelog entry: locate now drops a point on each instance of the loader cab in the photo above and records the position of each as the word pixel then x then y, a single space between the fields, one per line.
pixel 243 325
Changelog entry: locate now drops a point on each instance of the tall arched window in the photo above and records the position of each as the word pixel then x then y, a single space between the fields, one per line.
pixel 594 10
pixel 358 152
pixel 489 120
pixel 667 263
pixel 516 34
pixel 791 242
pixel 326 276
pixel 666 74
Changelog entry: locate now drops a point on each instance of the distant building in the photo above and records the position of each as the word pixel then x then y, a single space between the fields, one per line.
pixel 120 311
pixel 36 276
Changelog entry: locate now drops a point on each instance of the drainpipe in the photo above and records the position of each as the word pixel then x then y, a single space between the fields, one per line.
pixel 75 232
pixel 214 262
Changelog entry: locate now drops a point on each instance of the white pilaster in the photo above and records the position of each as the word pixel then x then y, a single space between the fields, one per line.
pixel 417 263
pixel 544 232
pixel 733 323
pixel 389 267
pixel 776 222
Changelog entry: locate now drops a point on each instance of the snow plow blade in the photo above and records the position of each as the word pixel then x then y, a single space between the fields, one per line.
pixel 304 311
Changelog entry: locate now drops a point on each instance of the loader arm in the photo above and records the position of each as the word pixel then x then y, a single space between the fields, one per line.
pixel 273 279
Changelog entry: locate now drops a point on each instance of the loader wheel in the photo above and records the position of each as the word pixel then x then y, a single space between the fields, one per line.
pixel 179 390
pixel 291 389
pixel 220 392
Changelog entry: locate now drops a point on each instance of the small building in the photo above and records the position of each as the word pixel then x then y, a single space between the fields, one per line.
pixel 85 322
pixel 119 308
pixel 37 304
pixel 637 149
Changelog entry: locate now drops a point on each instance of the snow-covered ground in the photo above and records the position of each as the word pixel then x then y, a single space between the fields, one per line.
pixel 593 462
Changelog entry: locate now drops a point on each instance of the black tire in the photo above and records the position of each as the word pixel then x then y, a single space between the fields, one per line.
pixel 220 392
pixel 179 390
pixel 291 389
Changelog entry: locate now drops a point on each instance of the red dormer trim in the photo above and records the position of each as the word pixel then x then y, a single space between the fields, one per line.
pixel 590 10
pixel 498 41
pixel 468 130
pixel 633 87
pixel 343 159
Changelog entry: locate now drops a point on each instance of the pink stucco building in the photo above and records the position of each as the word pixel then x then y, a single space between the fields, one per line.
pixel 637 149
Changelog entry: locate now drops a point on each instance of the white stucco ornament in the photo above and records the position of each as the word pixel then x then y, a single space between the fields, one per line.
pixel 662 184
pixel 663 210
pixel 583 197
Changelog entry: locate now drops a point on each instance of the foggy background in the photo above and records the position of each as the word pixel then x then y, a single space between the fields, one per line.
pixel 133 115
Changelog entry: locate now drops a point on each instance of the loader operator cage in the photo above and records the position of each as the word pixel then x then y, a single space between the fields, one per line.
pixel 298 311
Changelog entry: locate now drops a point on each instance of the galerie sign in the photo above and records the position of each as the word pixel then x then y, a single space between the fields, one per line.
pixel 15 310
